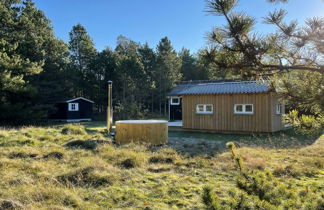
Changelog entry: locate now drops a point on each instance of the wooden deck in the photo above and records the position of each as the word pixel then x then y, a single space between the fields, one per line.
pixel 175 124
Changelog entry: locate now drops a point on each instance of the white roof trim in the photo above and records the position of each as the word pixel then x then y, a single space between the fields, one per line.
pixel 179 96
pixel 78 99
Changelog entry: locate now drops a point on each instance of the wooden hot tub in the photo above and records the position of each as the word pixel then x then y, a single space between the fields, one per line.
pixel 154 132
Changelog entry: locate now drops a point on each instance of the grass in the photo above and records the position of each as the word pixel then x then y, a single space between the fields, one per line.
pixel 283 139
pixel 39 168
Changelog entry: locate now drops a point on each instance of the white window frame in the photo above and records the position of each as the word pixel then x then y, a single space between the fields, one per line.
pixel 76 107
pixel 172 103
pixel 279 109
pixel 204 109
pixel 243 109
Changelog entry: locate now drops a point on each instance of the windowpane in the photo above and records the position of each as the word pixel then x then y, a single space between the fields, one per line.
pixel 209 108
pixel 200 108
pixel 243 108
pixel 73 107
pixel 279 109
pixel 248 108
pixel 204 108
pixel 239 108
pixel 175 100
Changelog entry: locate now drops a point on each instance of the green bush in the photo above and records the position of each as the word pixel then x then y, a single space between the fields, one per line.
pixel 73 129
pixel 305 124
pixel 261 190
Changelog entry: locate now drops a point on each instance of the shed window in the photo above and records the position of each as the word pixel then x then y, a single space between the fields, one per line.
pixel 204 108
pixel 243 108
pixel 279 109
pixel 175 101
pixel 73 107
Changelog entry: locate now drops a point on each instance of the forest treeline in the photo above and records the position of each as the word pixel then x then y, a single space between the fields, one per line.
pixel 37 68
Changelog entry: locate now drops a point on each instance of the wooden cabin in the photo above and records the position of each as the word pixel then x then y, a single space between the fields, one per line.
pixel 72 110
pixel 230 106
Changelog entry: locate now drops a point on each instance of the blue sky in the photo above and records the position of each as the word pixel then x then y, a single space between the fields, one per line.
pixel 183 21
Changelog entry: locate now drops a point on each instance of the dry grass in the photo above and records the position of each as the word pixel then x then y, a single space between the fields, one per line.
pixel 38 171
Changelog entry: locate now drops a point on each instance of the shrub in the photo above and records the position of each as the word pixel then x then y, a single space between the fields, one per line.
pixel 305 124
pixel 261 190
pixel 73 129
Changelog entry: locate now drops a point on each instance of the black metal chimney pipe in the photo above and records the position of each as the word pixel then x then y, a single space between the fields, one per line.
pixel 109 107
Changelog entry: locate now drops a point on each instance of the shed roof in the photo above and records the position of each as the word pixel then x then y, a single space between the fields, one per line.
pixel 68 100
pixel 220 88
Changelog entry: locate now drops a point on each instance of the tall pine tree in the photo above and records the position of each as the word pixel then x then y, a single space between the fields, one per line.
pixel 190 67
pixel 28 51
pixel 168 71
pixel 148 58
pixel 82 52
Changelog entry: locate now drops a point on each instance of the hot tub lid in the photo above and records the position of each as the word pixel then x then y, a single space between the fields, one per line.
pixel 141 121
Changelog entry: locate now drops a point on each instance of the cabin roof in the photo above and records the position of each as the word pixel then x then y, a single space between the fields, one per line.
pixel 221 87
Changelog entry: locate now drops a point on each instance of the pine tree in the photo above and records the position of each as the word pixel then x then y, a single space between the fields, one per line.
pixel 29 51
pixel 82 52
pixel 190 68
pixel 252 50
pixel 168 73
pixel 148 58
pixel 294 53
pixel 104 65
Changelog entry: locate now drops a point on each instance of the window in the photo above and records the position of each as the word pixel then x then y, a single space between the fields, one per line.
pixel 279 109
pixel 243 108
pixel 73 107
pixel 175 101
pixel 204 109
pixel 200 108
pixel 239 108
pixel 248 108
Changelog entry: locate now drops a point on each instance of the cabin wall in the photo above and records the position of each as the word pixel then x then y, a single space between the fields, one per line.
pixel 223 117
